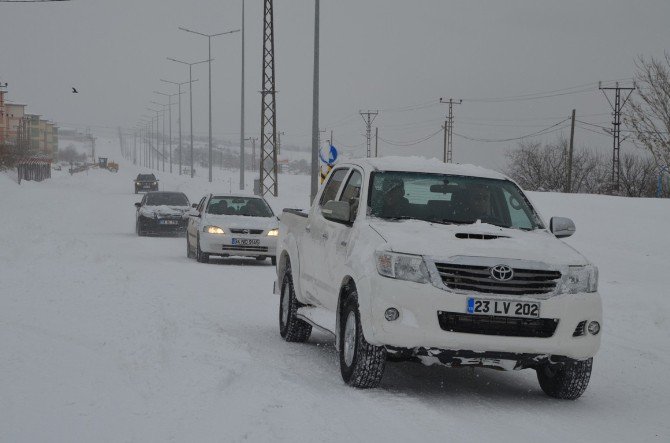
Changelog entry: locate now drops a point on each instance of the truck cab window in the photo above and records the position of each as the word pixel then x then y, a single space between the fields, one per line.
pixel 352 192
pixel 334 182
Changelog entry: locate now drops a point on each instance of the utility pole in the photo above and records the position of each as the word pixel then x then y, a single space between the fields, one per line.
pixel 568 184
pixel 616 127
pixel 242 111
pixel 368 118
pixel 268 164
pixel 314 187
pixel 376 141
pixel 449 129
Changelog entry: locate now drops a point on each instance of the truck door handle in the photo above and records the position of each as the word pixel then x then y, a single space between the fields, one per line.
pixel 343 243
pixel 324 236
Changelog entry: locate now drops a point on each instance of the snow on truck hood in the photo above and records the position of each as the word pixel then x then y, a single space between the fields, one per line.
pixel 241 222
pixel 444 241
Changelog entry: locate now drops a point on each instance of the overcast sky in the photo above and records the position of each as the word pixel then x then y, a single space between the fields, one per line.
pixel 397 56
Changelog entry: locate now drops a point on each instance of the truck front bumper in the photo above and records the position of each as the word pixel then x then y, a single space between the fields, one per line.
pixel 423 310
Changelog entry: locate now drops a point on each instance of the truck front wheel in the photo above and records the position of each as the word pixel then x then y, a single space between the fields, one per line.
pixel 566 381
pixel 361 364
pixel 291 328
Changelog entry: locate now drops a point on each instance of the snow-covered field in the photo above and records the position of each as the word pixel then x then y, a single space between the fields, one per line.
pixel 105 336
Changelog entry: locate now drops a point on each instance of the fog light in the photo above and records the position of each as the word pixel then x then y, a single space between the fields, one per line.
pixel 594 327
pixel 391 314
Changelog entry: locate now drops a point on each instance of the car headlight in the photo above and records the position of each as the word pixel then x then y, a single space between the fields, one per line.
pixel 273 232
pixel 155 183
pixel 402 266
pixel 213 230
pixel 580 279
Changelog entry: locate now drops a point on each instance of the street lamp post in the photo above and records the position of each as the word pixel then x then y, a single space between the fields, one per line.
pixel 163 131
pixel 169 96
pixel 190 97
pixel 158 152
pixel 179 105
pixel 209 46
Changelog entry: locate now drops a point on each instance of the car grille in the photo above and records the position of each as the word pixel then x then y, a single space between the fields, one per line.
pixel 478 279
pixel 245 248
pixel 497 325
pixel 247 231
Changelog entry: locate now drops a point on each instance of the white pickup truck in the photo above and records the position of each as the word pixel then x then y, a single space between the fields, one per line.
pixel 413 259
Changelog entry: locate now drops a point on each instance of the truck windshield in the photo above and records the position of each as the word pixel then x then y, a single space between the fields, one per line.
pixel 450 199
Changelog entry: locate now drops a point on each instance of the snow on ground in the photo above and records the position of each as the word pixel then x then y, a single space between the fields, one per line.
pixel 105 336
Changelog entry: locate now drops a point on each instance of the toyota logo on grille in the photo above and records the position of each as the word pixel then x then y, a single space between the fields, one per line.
pixel 245 231
pixel 502 272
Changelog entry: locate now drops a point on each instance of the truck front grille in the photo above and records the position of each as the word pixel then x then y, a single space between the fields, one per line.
pixel 497 325
pixel 479 279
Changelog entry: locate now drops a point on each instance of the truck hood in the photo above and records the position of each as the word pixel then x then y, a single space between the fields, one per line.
pixel 241 222
pixel 440 241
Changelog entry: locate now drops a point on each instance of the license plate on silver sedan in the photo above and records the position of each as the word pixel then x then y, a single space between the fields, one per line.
pixel 168 222
pixel 246 241
pixel 504 308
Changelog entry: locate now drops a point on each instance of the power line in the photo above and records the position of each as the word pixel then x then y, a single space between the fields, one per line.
pixel 548 130
pixel 413 142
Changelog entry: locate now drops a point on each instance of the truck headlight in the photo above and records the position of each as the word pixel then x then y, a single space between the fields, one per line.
pixel 213 230
pixel 402 266
pixel 273 232
pixel 580 279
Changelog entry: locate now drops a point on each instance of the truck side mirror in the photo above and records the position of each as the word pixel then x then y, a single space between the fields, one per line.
pixel 137 205
pixel 337 211
pixel 194 205
pixel 562 227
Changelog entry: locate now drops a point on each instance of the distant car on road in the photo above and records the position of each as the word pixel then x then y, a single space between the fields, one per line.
pixel 228 225
pixel 162 213
pixel 146 183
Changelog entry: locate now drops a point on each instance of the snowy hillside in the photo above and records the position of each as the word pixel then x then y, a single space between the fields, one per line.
pixel 105 336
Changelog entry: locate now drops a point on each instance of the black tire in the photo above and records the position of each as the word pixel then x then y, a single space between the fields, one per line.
pixel 361 364
pixel 566 381
pixel 189 252
pixel 201 257
pixel 273 260
pixel 291 328
pixel 139 230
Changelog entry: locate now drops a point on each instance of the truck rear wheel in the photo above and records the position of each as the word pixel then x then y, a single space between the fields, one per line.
pixel 566 381
pixel 361 364
pixel 291 328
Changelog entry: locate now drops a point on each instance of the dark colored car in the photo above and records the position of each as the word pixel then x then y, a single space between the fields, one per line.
pixel 162 213
pixel 146 183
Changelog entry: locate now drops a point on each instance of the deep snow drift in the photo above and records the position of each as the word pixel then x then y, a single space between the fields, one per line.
pixel 105 336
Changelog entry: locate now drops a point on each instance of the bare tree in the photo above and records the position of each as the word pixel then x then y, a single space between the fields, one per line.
pixel 543 168
pixel 648 112
pixel 638 176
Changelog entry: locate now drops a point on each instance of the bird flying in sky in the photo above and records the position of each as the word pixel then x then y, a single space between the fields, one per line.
pixel 74 90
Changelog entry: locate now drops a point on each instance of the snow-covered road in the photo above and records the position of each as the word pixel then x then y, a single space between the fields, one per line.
pixel 105 336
